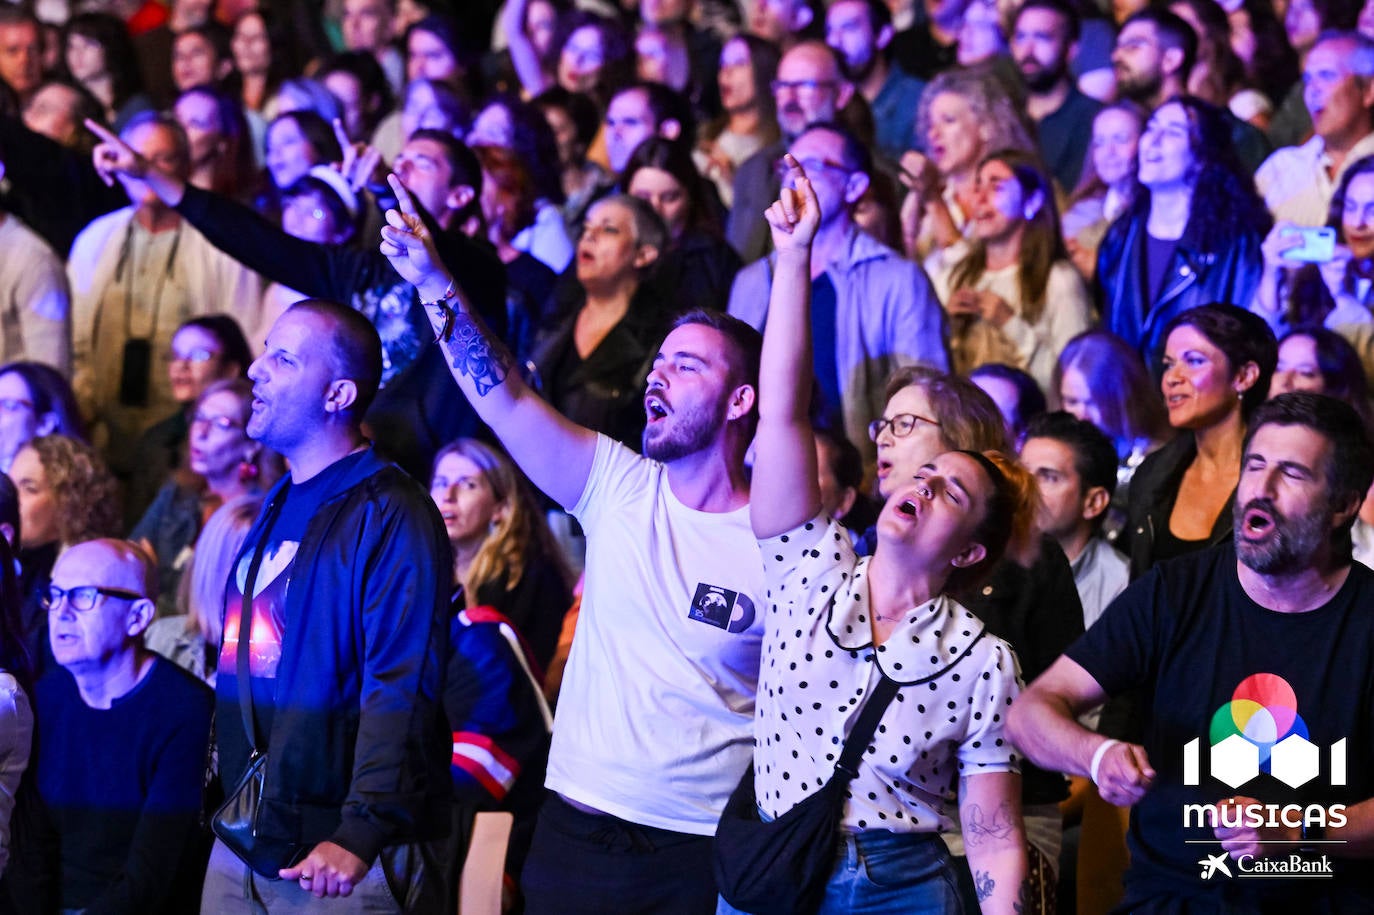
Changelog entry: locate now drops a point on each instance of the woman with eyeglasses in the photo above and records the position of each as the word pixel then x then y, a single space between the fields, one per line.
pixel 222 464
pixel 1029 598
pixel 203 350
pixel 840 628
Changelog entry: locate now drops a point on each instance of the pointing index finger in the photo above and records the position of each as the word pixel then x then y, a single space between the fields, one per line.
pixel 403 199
pixel 344 142
pixel 100 130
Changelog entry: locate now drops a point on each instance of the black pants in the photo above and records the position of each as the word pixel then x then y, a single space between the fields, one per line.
pixel 584 863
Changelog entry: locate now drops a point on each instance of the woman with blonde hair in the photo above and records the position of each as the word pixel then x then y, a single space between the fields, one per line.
pixel 192 638
pixel 503 553
pixel 965 114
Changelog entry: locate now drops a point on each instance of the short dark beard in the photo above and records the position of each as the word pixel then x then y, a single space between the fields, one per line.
pixel 1143 91
pixel 1043 81
pixel 1293 547
pixel 695 430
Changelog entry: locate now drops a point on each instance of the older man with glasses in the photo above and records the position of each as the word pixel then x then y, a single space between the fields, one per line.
pixel 810 88
pixel 120 755
pixel 872 310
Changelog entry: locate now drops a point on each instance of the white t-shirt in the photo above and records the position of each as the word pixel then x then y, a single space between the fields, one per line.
pixel 819 666
pixel 655 721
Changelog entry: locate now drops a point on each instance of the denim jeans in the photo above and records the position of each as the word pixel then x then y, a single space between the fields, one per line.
pixel 886 873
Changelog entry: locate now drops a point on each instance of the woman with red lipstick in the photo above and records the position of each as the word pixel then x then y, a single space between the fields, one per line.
pixel 840 628
pixel 1218 362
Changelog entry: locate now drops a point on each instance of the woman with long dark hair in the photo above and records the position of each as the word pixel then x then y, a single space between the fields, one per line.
pixel 98 53
pixel 699 265
pixel 1338 291
pixel 1192 235
pixel 1014 297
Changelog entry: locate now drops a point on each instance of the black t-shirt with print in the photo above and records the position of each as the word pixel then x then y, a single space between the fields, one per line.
pixel 1214 663
pixel 301 503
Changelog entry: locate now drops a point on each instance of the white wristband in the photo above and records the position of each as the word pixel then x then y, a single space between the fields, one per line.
pixel 1100 752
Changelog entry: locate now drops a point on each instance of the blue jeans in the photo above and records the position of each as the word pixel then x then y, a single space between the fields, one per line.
pixel 878 872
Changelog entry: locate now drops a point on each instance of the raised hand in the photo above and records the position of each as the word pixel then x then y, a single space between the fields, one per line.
pixel 112 156
pixel 359 159
pixel 796 214
pixel 408 244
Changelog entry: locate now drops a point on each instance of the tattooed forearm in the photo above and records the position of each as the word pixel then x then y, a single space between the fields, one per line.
pixel 477 354
pixel 980 827
pixel 983 884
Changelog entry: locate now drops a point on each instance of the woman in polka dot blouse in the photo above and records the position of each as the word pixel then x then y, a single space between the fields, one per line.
pixel 836 624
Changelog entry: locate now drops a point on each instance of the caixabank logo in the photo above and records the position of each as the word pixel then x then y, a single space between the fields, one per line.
pixel 1261 730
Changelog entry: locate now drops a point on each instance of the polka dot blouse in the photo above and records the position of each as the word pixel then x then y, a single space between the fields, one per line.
pixel 819 663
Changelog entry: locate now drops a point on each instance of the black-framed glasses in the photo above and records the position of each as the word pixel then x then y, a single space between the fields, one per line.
pixel 901 424
pixel 83 597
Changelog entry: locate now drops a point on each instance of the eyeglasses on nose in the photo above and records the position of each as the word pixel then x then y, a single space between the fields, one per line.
pixel 83 597
pixel 901 424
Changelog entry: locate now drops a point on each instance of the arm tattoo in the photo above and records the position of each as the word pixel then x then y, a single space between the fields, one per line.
pixel 981 828
pixel 983 884
pixel 1023 906
pixel 476 354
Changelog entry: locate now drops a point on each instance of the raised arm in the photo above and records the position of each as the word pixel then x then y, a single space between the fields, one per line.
pixel 523 56
pixel 785 491
pixel 554 452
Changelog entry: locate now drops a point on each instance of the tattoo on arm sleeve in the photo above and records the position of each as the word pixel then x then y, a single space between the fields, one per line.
pixel 983 884
pixel 997 826
pixel 477 354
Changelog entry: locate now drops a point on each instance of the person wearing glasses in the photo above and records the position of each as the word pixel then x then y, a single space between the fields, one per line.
pixel 1029 598
pixel 203 350
pixel 810 88
pixel 222 464
pixel 118 762
pixel 872 311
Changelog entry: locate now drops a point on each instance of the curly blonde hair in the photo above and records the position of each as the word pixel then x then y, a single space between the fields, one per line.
pixel 85 492
pixel 1004 124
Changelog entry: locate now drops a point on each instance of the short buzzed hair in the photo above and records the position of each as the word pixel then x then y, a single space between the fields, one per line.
pixel 1173 31
pixel 167 123
pixel 355 349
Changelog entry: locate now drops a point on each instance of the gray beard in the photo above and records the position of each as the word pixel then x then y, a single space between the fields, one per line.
pixel 1291 549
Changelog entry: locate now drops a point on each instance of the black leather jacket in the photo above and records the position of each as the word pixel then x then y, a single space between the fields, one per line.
pixel 1203 271
pixel 1154 489
pixel 359 751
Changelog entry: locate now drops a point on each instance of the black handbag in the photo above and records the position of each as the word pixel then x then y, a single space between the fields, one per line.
pixel 781 867
pixel 235 823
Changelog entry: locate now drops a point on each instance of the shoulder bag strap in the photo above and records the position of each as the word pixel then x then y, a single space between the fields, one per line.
pixel 245 684
pixel 857 741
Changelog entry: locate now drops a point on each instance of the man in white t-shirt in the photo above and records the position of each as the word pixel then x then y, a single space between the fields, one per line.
pixel 655 718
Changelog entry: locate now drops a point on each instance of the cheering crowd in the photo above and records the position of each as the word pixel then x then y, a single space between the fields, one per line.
pixel 643 417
